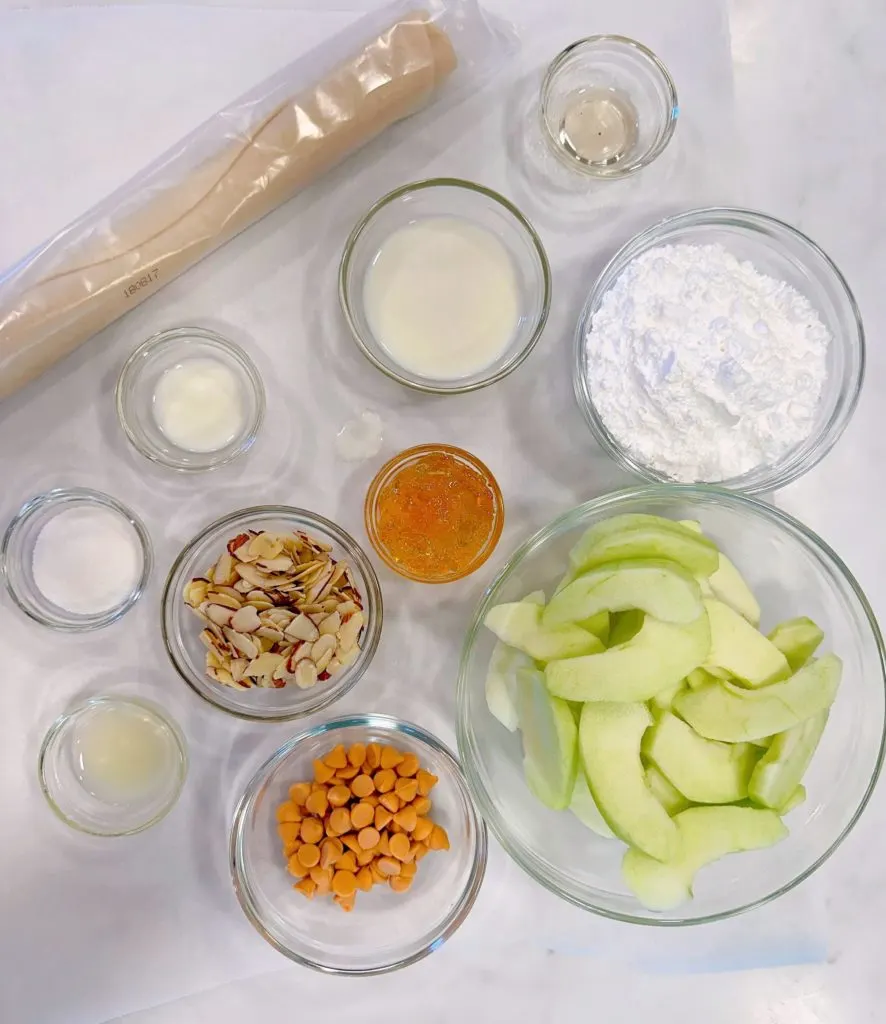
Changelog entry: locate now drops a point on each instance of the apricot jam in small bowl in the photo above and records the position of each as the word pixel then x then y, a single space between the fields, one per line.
pixel 434 513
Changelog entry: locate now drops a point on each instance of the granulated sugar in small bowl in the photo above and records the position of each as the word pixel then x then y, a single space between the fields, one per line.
pixel 75 559
pixel 720 346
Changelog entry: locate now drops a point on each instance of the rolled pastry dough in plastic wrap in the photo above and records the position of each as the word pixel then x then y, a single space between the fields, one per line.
pixel 233 170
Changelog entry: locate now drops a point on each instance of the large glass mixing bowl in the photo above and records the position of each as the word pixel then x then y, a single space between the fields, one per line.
pixel 792 572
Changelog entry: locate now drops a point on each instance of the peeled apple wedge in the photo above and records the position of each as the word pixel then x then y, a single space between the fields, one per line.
pixel 662 701
pixel 725 711
pixel 609 743
pixel 706 834
pixel 670 798
pixel 740 649
pixel 644 536
pixel 661 589
pixel 797 639
pixel 656 659
pixel 699 677
pixel 728 584
pixel 624 626
pixel 550 747
pixel 519 625
pixel 598 625
pixel 704 771
pixel 780 769
pixel 794 800
pixel 585 808
pixel 501 679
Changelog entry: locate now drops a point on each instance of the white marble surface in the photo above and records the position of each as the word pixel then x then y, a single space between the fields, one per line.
pixel 147 930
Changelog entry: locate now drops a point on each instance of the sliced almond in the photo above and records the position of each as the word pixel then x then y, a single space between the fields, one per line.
pixel 347 608
pixel 347 657
pixel 237 668
pixel 319 584
pixel 333 666
pixel 306 674
pixel 331 624
pixel 350 631
pixel 323 661
pixel 221 675
pixel 265 546
pixel 282 563
pixel 220 616
pixel 225 600
pixel 270 633
pixel 264 665
pixel 223 574
pixel 244 587
pixel 195 592
pixel 243 643
pixel 301 628
pixel 325 645
pixel 245 620
pixel 213 660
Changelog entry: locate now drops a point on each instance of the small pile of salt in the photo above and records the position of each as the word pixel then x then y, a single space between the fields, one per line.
pixel 87 560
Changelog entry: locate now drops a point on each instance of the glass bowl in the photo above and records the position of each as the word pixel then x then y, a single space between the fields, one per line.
pixel 608 107
pixel 138 382
pixel 386 930
pixel 793 572
pixel 786 254
pixel 17 555
pixel 389 472
pixel 109 811
pixel 464 200
pixel 181 627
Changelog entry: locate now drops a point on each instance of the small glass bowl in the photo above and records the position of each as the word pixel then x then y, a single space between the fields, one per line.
pixel 181 627
pixel 17 555
pixel 138 382
pixel 635 87
pixel 396 465
pixel 793 572
pixel 386 930
pixel 448 197
pixel 786 254
pixel 87 812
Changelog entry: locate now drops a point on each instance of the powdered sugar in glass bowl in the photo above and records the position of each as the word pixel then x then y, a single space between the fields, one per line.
pixel 795 439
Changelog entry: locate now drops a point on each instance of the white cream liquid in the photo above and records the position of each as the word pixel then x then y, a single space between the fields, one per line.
pixel 442 298
pixel 121 754
pixel 198 405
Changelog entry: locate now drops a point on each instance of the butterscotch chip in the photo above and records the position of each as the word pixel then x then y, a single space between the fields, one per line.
pixel 399 884
pixel 383 848
pixel 406 790
pixel 390 757
pixel 339 821
pixel 388 866
pixel 382 817
pixel 438 839
pixel 308 855
pixel 322 772
pixel 289 830
pixel 362 815
pixel 408 868
pixel 347 861
pixel 346 774
pixel 350 841
pixel 317 803
pixel 362 786
pixel 365 857
pixel 423 828
pixel 421 805
pixel 288 812
pixel 344 883
pixel 357 754
pixel 307 886
pixel 368 838
pixel 377 876
pixel 364 879
pixel 408 766
pixel 406 819
pixel 390 802
pixel 419 850
pixel 295 867
pixel 426 781
pixel 384 780
pixel 300 792
pixel 337 758
pixel 346 902
pixel 338 796
pixel 311 830
pixel 322 878
pixel 330 851
pixel 373 756
pixel 400 847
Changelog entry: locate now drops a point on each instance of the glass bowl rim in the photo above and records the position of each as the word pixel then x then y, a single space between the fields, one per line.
pixel 172 335
pixel 354 551
pixel 626 170
pixel 460 909
pixel 398 461
pixel 347 306
pixel 105 699
pixel 748 221
pixel 95 498
pixel 523 857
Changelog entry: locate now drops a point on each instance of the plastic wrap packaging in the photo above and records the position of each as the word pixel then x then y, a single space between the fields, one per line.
pixel 237 167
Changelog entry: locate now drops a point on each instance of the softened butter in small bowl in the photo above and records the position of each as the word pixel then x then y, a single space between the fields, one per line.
pixel 190 400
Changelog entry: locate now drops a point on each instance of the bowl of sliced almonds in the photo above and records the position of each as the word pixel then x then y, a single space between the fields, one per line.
pixel 271 613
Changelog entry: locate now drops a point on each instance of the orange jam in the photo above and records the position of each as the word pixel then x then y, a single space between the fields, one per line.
pixel 434 513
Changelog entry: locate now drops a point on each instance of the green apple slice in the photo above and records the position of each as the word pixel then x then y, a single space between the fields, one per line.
pixel 501 679
pixel 519 625
pixel 624 626
pixel 704 771
pixel 728 584
pixel 724 711
pixel 667 795
pixel 609 743
pixel 663 701
pixel 661 589
pixel 550 747
pixel 585 808
pixel 656 659
pixel 598 625
pixel 699 677
pixel 706 834
pixel 784 764
pixel 644 536
pixel 797 639
pixel 740 649
pixel 794 800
